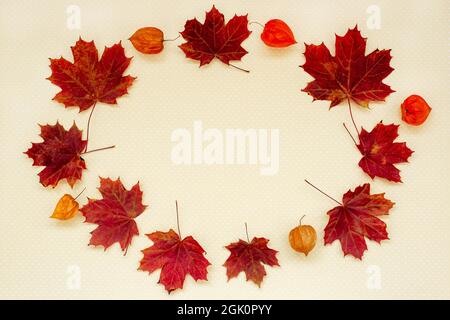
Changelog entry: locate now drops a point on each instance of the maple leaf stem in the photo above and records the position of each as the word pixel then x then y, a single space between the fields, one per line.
pixel 99 149
pixel 246 232
pixel 351 116
pixel 232 65
pixel 351 136
pixel 178 218
pixel 88 126
pixel 173 39
pixel 323 192
pixel 79 194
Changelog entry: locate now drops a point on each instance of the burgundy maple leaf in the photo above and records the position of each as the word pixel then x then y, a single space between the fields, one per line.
pixel 380 152
pixel 356 218
pixel 249 257
pixel 214 38
pixel 114 214
pixel 176 258
pixel 60 154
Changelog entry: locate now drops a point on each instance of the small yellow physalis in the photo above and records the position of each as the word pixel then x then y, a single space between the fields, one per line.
pixel 66 208
pixel 303 238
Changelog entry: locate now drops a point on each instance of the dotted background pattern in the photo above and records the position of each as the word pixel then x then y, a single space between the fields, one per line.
pixel 40 257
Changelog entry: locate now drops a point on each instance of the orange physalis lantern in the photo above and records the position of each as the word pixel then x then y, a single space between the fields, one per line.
pixel 415 110
pixel 277 34
pixel 148 40
pixel 66 208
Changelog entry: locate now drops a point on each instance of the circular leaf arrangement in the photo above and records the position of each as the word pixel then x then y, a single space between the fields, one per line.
pixel 349 76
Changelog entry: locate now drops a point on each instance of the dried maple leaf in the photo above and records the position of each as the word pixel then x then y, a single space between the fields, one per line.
pixel 114 214
pixel 88 80
pixel 214 38
pixel 380 152
pixel 357 217
pixel 175 257
pixel 350 74
pixel 60 153
pixel 249 257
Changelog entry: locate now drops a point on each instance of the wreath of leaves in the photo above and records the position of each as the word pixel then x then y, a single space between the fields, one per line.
pixel 90 79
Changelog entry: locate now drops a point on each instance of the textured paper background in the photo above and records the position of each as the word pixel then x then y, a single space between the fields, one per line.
pixel 38 254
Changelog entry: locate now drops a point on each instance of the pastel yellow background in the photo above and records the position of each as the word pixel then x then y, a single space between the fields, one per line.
pixel 38 254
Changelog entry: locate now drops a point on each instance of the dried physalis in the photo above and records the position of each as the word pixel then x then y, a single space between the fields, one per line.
pixel 148 40
pixel 277 34
pixel 303 238
pixel 415 110
pixel 66 208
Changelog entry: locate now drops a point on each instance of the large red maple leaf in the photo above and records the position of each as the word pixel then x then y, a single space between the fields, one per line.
pixel 114 214
pixel 350 74
pixel 380 152
pixel 175 257
pixel 357 218
pixel 214 38
pixel 60 153
pixel 249 257
pixel 88 80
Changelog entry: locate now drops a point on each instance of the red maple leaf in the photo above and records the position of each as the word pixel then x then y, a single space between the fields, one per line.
pixel 60 153
pixel 350 74
pixel 380 152
pixel 175 257
pixel 88 80
pixel 357 217
pixel 114 214
pixel 214 38
pixel 249 257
